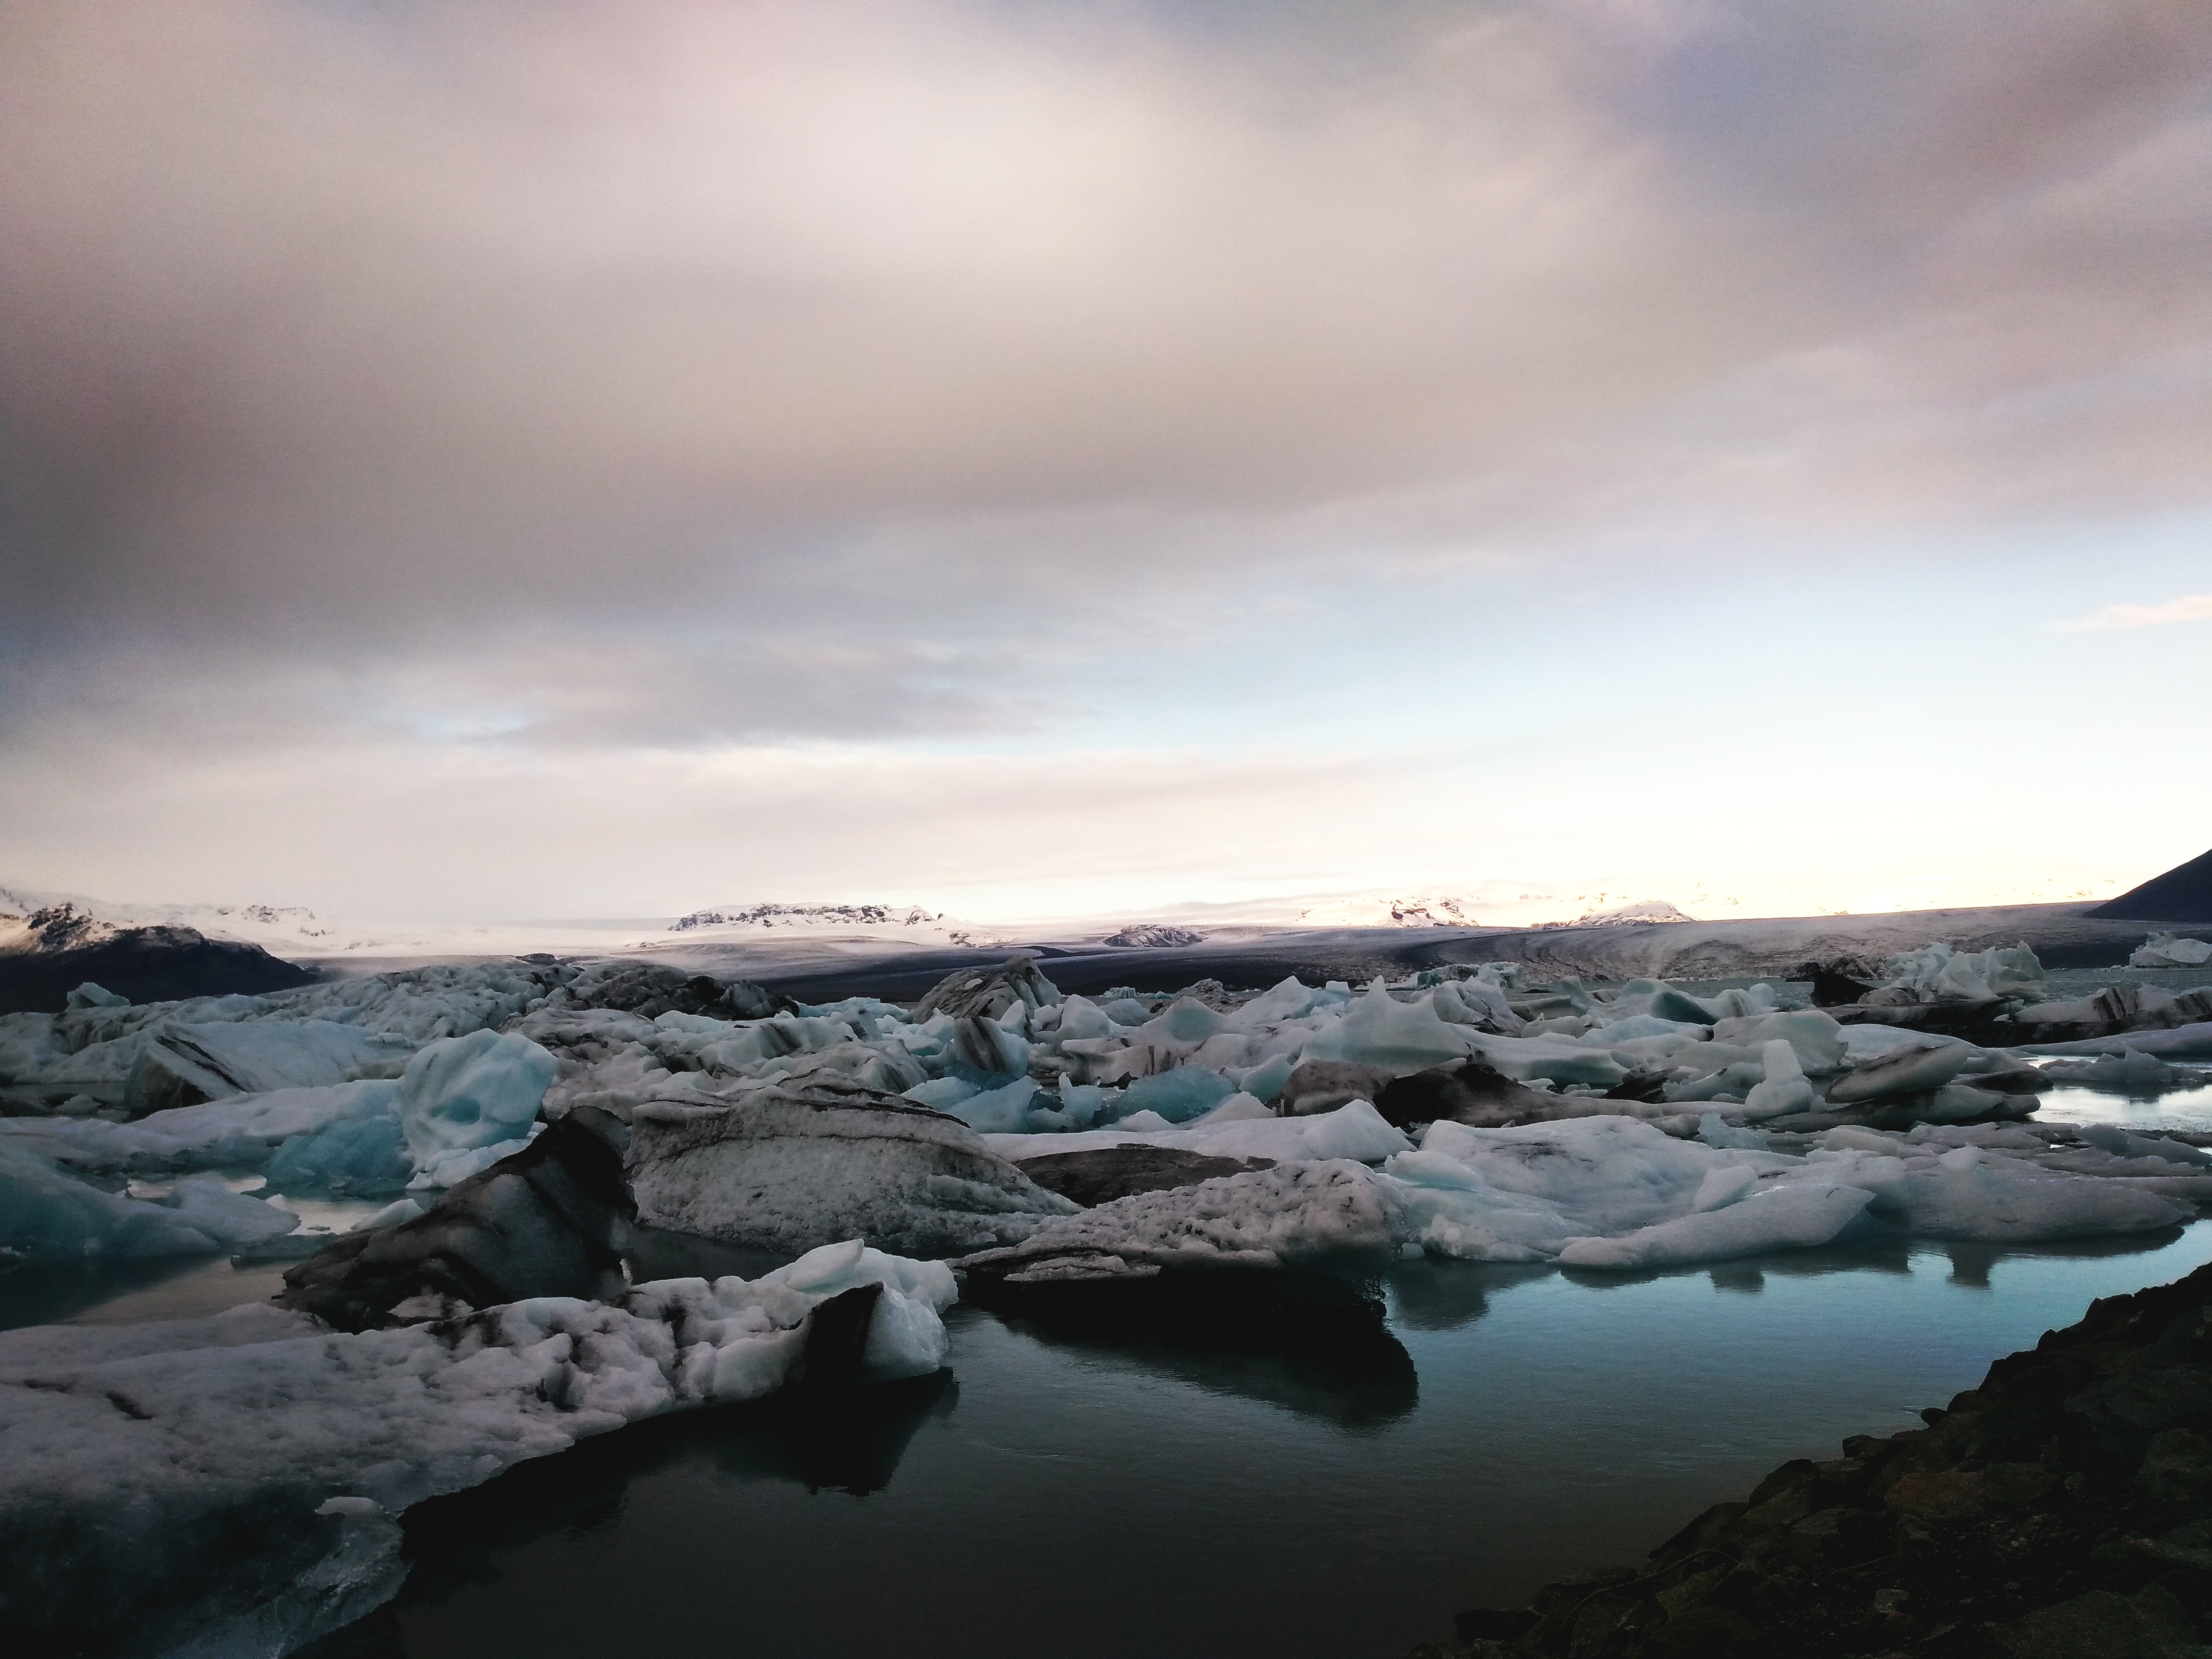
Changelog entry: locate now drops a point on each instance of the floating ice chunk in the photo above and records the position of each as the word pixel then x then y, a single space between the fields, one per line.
pixel 2159 950
pixel 181 1063
pixel 1915 1070
pixel 470 1092
pixel 774 1170
pixel 1289 1215
pixel 1871 1041
pixel 1482 1002
pixel 1237 1109
pixel 906 1333
pixel 90 995
pixel 2118 1142
pixel 996 1111
pixel 1723 1186
pixel 1781 1217
pixel 1938 973
pixel 399 1210
pixel 1178 1096
pixel 2195 1038
pixel 1356 1131
pixel 123 1440
pixel 1445 1209
pixel 1286 999
pixel 1960 1103
pixel 1378 1030
pixel 1264 1081
pixel 451 1169
pixel 675 1019
pixel 1640 1026
pixel 1126 1011
pixel 1081 1018
pixel 1557 1060
pixel 47 1216
pixel 2128 1071
pixel 1080 1105
pixel 1142 1123
pixel 241 1132
pixel 1187 1022
pixel 942 1094
pixel 1785 1088
pixel 233 1220
pixel 1715 1132
pixel 1813 1032
pixel 1668 1003
pixel 1970 1193
pixel 1609 1173
pixel 362 1154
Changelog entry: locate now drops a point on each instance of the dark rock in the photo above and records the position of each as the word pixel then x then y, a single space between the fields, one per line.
pixel 2021 1080
pixel 2061 1510
pixel 2182 894
pixel 1495 1623
pixel 2100 1625
pixel 1106 1173
pixel 1835 984
pixel 1470 1091
pixel 1154 936
pixel 987 993
pixel 551 1220
pixel 1642 1086
pixel 649 989
pixel 814 1160
pixel 145 964
pixel 837 1336
pixel 1322 1085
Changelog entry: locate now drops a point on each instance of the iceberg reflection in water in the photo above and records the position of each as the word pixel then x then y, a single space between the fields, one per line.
pixel 1180 1490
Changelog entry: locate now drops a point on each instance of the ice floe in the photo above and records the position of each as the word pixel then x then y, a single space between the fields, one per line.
pixel 133 1505
pixel 2171 950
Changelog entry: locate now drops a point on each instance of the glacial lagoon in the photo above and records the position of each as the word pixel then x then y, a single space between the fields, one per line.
pixel 1334 1492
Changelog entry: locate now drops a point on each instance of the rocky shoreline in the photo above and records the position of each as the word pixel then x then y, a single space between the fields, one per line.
pixel 2064 1508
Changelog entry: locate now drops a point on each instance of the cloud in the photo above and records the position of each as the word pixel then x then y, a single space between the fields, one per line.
pixel 561 384
pixel 2191 607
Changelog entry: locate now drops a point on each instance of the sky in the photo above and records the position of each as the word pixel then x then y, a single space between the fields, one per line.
pixel 471 460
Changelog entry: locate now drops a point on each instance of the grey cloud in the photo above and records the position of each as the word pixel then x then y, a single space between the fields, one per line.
pixel 475 342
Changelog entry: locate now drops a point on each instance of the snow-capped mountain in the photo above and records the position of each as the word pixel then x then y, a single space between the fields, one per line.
pixel 842 917
pixel 909 924
pixel 1625 916
pixel 276 927
pixel 1380 910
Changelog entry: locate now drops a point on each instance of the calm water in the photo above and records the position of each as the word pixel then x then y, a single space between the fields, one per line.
pixel 1063 1494
pixel 1331 1491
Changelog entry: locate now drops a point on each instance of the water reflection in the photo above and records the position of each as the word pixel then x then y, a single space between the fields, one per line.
pixel 1443 1296
pixel 1183 1487
pixel 1330 1358
pixel 847 1441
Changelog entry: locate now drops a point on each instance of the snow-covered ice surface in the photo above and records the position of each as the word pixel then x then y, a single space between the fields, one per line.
pixel 128 1483
pixel 455 1068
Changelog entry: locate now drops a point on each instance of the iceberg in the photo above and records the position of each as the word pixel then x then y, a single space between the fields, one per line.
pixel 48 1215
pixel 462 1093
pixel 134 1508
pixel 779 1171
pixel 2163 950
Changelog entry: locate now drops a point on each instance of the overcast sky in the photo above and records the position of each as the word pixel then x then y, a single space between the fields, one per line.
pixel 471 460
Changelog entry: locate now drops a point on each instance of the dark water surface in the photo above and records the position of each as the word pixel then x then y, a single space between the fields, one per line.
pixel 1060 1493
